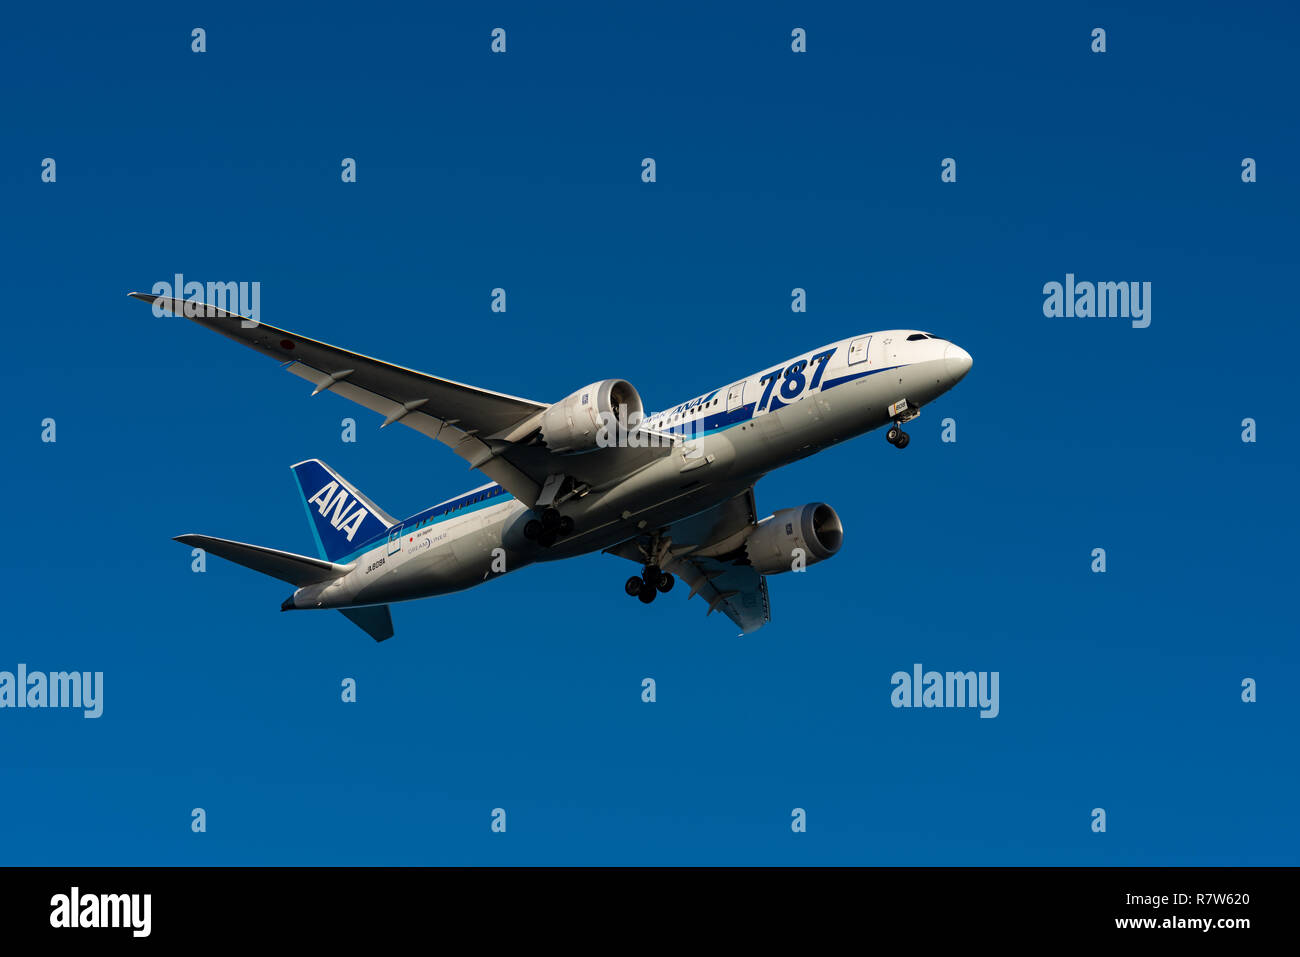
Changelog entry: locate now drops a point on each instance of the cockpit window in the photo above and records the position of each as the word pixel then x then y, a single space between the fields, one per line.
pixel 917 335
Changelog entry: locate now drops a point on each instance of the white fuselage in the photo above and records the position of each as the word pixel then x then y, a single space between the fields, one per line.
pixel 725 440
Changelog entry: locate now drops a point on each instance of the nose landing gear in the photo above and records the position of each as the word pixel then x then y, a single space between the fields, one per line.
pixel 902 412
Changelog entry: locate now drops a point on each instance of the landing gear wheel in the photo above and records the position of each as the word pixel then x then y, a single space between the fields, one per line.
pixel 646 593
pixel 546 539
pixel 551 519
pixel 532 529
pixel 903 439
pixel 651 575
pixel 633 586
pixel 892 435
pixel 566 525
pixel 665 583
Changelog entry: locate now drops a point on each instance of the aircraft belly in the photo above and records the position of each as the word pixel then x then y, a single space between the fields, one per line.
pixel 785 434
pixel 473 551
pixel 443 559
pixel 702 462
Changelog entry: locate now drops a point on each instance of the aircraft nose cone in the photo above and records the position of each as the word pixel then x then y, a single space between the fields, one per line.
pixel 957 362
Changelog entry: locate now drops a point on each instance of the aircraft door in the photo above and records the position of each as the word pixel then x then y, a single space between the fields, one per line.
pixel 735 397
pixel 395 540
pixel 859 350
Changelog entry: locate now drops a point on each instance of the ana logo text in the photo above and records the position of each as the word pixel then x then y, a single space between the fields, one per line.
pixel 331 497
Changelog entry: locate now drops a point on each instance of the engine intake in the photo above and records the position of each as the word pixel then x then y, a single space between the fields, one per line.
pixel 815 529
pixel 573 424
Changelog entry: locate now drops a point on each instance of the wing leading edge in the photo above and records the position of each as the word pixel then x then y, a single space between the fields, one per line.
pixel 494 432
pixel 475 423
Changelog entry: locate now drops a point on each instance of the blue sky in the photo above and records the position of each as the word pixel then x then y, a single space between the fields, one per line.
pixel 775 170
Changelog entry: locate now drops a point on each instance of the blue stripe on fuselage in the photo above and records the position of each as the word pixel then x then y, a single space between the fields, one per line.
pixel 721 421
pixel 496 495
pixel 452 508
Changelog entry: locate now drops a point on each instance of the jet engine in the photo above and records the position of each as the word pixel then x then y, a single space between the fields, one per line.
pixel 814 529
pixel 573 424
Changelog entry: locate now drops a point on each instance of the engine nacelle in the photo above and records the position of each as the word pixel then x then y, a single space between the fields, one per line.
pixel 572 424
pixel 815 529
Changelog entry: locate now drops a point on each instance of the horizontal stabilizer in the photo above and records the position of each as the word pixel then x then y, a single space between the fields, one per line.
pixel 374 620
pixel 295 569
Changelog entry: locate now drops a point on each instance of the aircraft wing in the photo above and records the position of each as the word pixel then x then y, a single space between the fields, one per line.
pixel 493 431
pixel 737 590
pixel 706 551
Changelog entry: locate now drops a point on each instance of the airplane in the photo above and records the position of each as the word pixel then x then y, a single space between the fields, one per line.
pixel 672 490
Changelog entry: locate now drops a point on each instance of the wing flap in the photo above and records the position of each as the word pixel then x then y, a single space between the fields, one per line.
pixel 738 591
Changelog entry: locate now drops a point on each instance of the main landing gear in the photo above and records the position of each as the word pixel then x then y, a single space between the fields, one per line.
pixel 650 582
pixel 897 437
pixel 549 528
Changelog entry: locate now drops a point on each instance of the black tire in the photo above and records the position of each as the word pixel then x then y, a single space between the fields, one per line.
pixel 546 539
pixel 892 435
pixel 651 574
pixel 903 439
pixel 646 594
pixel 532 529
pixel 666 582
pixel 633 586
pixel 550 519
pixel 566 525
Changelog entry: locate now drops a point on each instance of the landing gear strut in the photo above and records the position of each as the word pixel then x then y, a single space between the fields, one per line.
pixel 650 582
pixel 550 527
pixel 901 411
